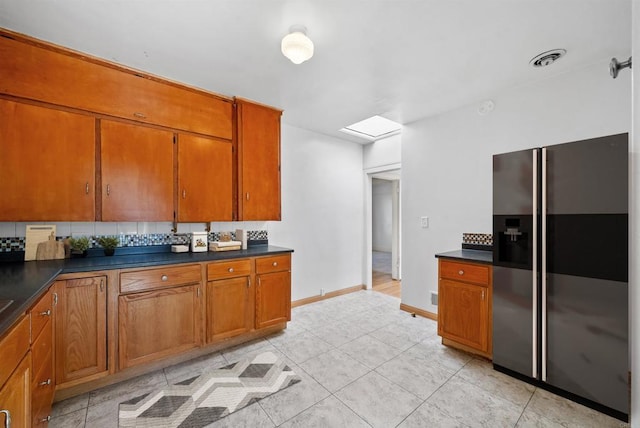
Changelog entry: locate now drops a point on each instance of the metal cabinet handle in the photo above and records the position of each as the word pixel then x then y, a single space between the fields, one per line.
pixel 140 115
pixel 102 285
pixel 460 272
pixel 275 264
pixel 47 419
pixel 230 270
pixel 55 299
pixel 164 277
pixel 45 383
pixel 198 292
pixel 7 421
pixel 248 281
pixel 184 193
pixel 86 188
pixel 247 196
pixel 46 313
pixel 108 189
pixel 482 294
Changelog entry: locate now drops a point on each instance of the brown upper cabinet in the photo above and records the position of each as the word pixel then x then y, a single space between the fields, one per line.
pixel 48 164
pixel 37 71
pixel 137 172
pixel 205 179
pixel 258 161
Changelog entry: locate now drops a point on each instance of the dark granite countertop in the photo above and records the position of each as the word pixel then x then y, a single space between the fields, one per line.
pixel 477 256
pixel 25 282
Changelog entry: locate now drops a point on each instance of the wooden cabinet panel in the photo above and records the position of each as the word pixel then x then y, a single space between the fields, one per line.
pixel 466 272
pixel 81 329
pixel 14 346
pixel 464 313
pixel 273 263
pixel 464 307
pixel 229 269
pixel 229 308
pixel 258 161
pixel 165 277
pixel 205 179
pixel 137 173
pixel 66 78
pixel 43 382
pixel 273 299
pixel 156 324
pixel 48 164
pixel 15 396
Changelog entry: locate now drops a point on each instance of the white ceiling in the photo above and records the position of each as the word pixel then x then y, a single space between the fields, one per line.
pixel 401 59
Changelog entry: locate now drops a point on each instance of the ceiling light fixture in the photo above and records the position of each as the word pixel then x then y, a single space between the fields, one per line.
pixel 296 45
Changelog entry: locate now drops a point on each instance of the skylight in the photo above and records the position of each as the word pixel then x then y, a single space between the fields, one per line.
pixel 373 128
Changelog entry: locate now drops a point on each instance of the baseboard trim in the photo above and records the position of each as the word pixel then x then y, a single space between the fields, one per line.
pixel 328 295
pixel 418 311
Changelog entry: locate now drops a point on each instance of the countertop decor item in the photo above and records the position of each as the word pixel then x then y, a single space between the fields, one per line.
pixel 36 234
pixel 109 243
pixel 79 246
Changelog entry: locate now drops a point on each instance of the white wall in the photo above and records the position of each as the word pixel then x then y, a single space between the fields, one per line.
pixel 634 223
pixel 381 215
pixel 447 164
pixel 383 152
pixel 322 211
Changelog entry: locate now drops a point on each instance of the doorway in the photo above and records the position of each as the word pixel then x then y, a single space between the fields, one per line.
pixel 384 234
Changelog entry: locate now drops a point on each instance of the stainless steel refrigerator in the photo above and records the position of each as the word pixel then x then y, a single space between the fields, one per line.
pixel 560 269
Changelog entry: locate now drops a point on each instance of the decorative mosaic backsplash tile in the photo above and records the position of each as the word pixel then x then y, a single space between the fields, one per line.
pixel 477 238
pixel 10 244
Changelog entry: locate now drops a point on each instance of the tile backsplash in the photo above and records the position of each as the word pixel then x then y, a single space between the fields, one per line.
pixel 477 240
pixel 131 234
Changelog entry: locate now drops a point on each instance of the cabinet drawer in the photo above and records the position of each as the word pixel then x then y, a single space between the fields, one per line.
pixel 13 347
pixel 42 391
pixel 477 274
pixel 150 279
pixel 273 264
pixel 228 269
pixel 41 314
pixel 41 349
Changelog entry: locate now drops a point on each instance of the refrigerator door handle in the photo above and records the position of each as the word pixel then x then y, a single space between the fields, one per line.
pixel 534 269
pixel 543 273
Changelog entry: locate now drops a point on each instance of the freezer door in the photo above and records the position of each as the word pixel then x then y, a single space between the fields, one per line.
pixel 586 233
pixel 515 267
pixel 513 320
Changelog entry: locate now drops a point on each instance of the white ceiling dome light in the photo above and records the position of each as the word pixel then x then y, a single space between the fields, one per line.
pixel 296 45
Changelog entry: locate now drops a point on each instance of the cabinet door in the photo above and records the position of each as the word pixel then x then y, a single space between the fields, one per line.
pixel 464 313
pixel 15 396
pixel 273 299
pixel 155 324
pixel 48 164
pixel 258 162
pixel 81 329
pixel 137 173
pixel 229 308
pixel 205 180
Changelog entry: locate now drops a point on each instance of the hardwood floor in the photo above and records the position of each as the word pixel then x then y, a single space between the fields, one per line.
pixel 383 283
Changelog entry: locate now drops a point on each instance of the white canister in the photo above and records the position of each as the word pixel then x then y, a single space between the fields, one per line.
pixel 199 242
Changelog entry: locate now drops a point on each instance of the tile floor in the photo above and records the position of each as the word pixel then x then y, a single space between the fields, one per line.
pixel 363 363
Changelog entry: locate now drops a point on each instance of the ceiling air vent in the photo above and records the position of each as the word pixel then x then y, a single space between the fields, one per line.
pixel 547 58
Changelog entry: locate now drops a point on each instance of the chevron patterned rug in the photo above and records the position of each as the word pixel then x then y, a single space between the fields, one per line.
pixel 202 400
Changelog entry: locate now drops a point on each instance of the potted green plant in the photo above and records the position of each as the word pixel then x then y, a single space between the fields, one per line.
pixel 79 246
pixel 109 243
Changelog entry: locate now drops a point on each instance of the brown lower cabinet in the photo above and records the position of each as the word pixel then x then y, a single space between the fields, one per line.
pixel 273 290
pixel 149 315
pixel 15 399
pixel 156 324
pixel 81 329
pixel 464 307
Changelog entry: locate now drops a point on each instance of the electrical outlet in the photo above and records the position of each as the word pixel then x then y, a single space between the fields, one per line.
pixel 424 222
pixel 322 291
pixel 434 298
